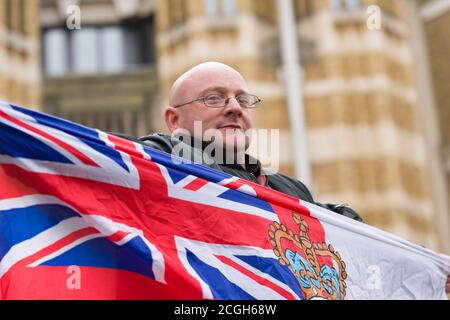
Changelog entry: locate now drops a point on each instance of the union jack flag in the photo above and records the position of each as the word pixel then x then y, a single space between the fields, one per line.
pixel 137 223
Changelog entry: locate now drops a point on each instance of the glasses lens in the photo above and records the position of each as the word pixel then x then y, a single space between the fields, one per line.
pixel 219 101
pixel 215 100
pixel 247 100
pixel 244 100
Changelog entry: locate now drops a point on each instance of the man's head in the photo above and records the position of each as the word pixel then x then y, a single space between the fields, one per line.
pixel 229 122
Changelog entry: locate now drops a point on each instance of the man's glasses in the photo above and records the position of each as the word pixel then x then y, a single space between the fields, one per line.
pixel 219 101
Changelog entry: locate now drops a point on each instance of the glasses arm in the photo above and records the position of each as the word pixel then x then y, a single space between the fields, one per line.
pixel 185 104
pixel 227 100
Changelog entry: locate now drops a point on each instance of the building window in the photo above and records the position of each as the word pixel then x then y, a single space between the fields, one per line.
pixel 56 54
pixel 349 5
pixel 215 8
pixel 336 5
pixel 112 40
pixel 98 49
pixel 353 5
pixel 211 8
pixel 85 51
pixel 228 8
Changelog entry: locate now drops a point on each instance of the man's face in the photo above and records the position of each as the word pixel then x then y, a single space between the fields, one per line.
pixel 228 124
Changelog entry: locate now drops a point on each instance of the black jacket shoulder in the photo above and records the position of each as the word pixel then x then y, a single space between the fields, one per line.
pixel 290 186
pixel 297 189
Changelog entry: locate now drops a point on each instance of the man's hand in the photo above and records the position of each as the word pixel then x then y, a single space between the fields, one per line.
pixel 447 285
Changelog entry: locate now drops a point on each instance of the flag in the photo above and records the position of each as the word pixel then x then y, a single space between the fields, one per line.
pixel 88 215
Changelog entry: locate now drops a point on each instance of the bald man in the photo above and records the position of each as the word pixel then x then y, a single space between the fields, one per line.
pixel 209 117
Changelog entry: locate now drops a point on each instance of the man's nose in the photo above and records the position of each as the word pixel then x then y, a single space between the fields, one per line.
pixel 233 106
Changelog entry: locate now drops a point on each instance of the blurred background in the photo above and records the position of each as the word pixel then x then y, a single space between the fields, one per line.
pixel 375 99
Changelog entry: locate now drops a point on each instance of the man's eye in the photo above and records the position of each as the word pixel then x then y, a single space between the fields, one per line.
pixel 214 99
pixel 243 100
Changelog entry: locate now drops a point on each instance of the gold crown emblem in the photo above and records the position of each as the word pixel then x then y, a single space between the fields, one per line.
pixel 316 280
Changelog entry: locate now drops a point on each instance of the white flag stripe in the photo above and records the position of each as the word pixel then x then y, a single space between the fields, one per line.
pixel 44 140
pixel 227 181
pixel 352 226
pixel 380 265
pixel 264 275
pixel 107 170
pixel 203 252
pixel 208 196
pixel 231 251
pixel 69 170
pixel 185 181
pixel 28 201
pixel 182 255
pixel 31 246
pixel 105 226
pixel 64 249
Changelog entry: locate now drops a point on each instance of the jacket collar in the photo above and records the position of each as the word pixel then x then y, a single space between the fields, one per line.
pixel 250 164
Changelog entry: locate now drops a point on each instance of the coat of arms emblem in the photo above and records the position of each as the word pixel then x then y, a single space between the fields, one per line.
pixel 305 259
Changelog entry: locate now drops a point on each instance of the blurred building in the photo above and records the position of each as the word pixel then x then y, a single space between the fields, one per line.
pixel 376 98
pixel 19 52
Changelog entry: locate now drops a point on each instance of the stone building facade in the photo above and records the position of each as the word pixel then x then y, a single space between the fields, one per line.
pixel 20 72
pixel 376 97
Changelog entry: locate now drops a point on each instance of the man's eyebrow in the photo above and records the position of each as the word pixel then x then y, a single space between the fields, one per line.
pixel 220 89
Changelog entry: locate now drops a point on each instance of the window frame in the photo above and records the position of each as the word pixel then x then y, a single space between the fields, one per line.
pixel 143 28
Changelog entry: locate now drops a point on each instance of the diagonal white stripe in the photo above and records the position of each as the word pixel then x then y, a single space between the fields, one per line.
pixel 65 249
pixel 105 226
pixel 185 181
pixel 31 246
pixel 108 170
pixel 204 252
pixel 44 140
pixel 30 200
pixel 227 181
pixel 208 196
pixel 244 188
pixel 263 275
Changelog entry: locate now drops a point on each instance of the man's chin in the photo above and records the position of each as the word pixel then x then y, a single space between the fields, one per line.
pixel 231 141
pixel 227 151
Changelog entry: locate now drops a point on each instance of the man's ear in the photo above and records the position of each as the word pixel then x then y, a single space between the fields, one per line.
pixel 172 118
